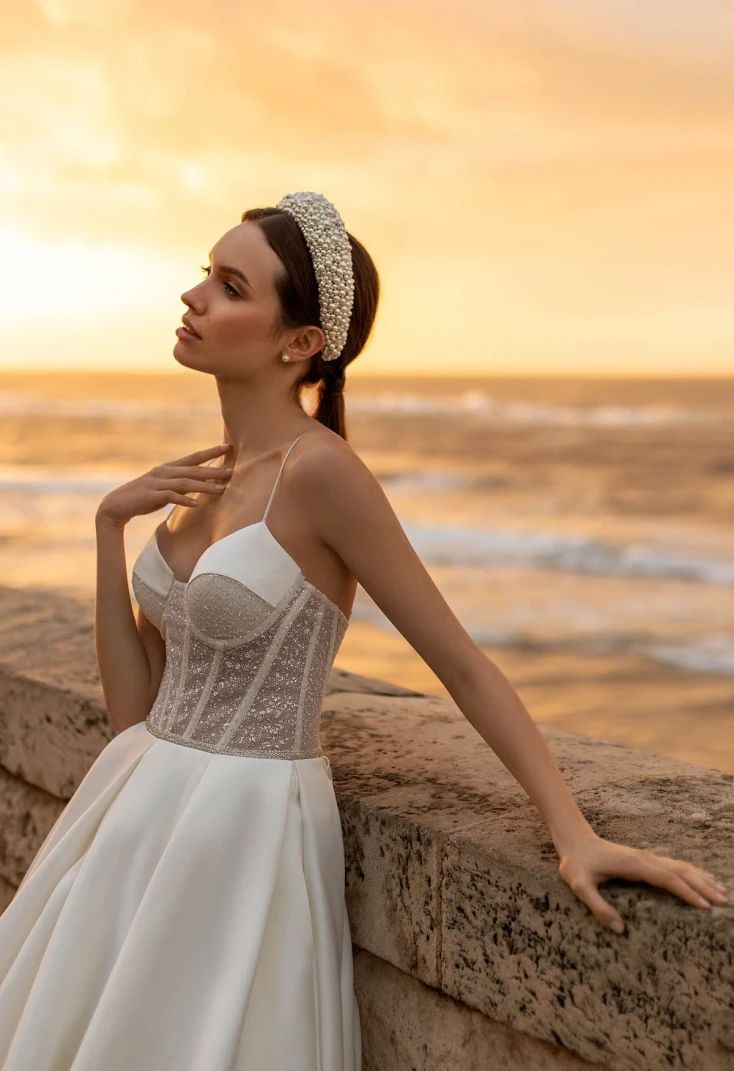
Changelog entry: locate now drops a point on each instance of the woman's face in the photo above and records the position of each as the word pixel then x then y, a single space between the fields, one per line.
pixel 234 307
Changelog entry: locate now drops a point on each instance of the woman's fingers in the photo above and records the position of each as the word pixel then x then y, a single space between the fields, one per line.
pixel 678 884
pixel 183 483
pixel 701 882
pixel 200 472
pixel 582 873
pixel 678 877
pixel 179 476
pixel 201 455
pixel 590 895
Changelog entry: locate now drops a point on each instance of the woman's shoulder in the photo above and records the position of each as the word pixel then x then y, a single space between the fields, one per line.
pixel 325 454
pixel 329 476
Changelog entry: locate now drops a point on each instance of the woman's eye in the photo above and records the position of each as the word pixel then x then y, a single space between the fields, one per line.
pixel 206 269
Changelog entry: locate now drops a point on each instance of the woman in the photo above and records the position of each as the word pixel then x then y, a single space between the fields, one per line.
pixel 187 908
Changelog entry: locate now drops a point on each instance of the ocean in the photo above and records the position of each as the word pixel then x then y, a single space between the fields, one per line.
pixel 579 528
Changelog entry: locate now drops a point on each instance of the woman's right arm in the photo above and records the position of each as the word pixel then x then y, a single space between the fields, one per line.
pixel 131 653
pixel 131 658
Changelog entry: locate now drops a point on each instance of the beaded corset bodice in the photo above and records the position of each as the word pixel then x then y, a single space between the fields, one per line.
pixel 249 646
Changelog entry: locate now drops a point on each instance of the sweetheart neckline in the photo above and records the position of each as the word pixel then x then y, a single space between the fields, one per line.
pixel 255 524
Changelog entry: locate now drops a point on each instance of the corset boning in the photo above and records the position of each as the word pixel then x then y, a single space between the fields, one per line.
pixel 242 676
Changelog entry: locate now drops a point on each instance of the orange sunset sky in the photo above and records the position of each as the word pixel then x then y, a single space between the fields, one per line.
pixel 545 186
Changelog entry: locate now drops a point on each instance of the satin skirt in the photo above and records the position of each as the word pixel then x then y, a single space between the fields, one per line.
pixel 186 911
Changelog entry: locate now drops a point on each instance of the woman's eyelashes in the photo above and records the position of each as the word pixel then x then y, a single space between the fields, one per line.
pixel 206 269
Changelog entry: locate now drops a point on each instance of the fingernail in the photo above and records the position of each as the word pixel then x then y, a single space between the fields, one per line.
pixel 617 926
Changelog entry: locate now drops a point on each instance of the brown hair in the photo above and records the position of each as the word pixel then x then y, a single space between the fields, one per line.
pixel 299 302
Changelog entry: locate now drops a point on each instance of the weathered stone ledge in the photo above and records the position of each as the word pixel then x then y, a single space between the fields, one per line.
pixel 470 952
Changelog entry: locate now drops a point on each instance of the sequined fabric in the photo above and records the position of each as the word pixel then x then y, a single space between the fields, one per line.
pixel 255 687
pixel 245 672
pixel 187 909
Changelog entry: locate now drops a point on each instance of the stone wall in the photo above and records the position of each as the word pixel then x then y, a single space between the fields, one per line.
pixel 470 951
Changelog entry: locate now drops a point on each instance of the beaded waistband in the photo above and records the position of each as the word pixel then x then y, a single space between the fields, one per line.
pixel 258 753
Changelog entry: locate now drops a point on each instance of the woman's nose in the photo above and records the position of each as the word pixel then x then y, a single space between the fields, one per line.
pixel 188 296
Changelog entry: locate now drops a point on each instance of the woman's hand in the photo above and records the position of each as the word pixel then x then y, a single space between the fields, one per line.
pixel 594 859
pixel 166 483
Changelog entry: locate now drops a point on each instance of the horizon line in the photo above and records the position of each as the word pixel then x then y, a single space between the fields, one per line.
pixel 471 375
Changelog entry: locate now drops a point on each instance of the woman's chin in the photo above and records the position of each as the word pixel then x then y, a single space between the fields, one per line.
pixel 181 353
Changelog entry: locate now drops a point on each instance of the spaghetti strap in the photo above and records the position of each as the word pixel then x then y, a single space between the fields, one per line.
pixel 272 493
pixel 175 505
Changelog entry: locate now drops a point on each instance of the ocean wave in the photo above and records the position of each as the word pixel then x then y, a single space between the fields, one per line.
pixel 43 481
pixel 568 552
pixel 477 403
pixel 515 411
pixel 708 654
pixel 427 480
pixel 94 408
pixel 455 545
pixel 705 654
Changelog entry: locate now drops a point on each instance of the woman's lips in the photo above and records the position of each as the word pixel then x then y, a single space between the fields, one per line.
pixel 183 332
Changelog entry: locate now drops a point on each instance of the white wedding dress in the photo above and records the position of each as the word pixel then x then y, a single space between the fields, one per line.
pixel 186 912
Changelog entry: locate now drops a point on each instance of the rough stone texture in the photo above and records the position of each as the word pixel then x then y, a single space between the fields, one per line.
pixel 451 876
pixel 49 736
pixel 516 947
pixel 27 814
pixel 408 1025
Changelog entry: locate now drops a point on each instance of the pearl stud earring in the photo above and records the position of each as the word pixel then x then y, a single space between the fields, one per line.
pixel 285 357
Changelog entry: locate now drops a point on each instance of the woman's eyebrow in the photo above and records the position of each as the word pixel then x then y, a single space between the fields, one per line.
pixel 235 271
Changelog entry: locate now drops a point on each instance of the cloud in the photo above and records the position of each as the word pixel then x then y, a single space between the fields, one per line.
pixel 581 152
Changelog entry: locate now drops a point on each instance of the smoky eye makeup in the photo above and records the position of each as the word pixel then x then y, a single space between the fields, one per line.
pixel 206 270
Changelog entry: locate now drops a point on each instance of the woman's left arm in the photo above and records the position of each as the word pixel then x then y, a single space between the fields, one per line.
pixel 351 513
pixel 496 711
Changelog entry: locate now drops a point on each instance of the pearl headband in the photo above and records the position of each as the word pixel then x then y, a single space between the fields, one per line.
pixel 331 254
